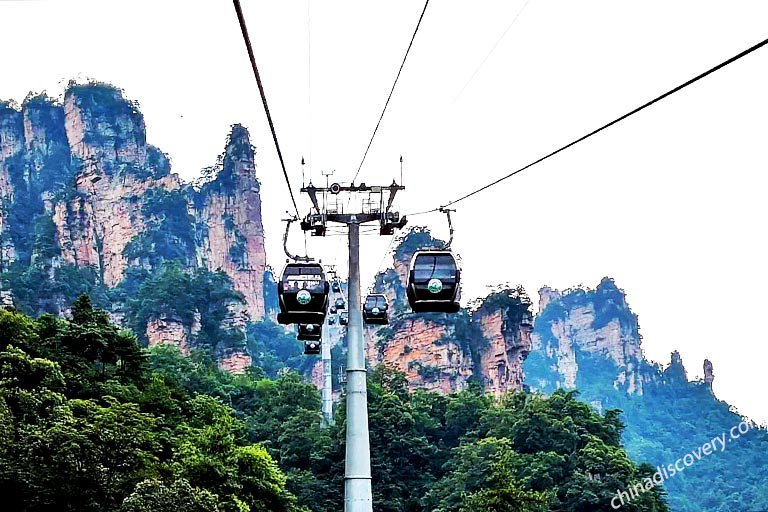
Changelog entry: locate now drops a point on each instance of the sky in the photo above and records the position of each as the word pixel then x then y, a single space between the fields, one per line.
pixel 670 202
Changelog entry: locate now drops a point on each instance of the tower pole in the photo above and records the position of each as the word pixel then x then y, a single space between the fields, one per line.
pixel 357 467
pixel 327 383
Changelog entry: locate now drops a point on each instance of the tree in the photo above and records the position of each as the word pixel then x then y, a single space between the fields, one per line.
pixel 155 496
pixel 16 329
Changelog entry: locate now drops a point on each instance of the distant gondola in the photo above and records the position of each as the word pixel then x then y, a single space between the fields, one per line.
pixel 311 348
pixel 310 334
pixel 302 294
pixel 375 309
pixel 434 281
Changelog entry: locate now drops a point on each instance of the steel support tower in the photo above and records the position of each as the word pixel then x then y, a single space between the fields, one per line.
pixel 357 463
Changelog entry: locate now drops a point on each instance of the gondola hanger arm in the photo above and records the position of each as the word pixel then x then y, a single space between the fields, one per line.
pixel 288 222
pixel 447 212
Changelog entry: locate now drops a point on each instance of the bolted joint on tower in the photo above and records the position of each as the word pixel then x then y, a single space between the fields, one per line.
pixel 326 207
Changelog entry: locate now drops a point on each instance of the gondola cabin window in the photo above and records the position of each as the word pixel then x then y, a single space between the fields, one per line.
pixel 434 267
pixel 303 279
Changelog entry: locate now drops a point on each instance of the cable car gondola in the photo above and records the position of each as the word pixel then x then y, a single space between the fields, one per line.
pixel 375 309
pixel 302 294
pixel 434 281
pixel 311 348
pixel 310 334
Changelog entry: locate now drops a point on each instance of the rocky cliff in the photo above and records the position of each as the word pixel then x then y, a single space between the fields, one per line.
pixel 588 339
pixel 581 339
pixel 87 205
pixel 581 326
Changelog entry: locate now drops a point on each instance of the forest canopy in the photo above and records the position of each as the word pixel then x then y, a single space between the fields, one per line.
pixel 91 421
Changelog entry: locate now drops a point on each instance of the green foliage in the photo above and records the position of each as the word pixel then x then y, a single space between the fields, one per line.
pixel 417 238
pixel 428 372
pixel 106 102
pixel 42 168
pixel 16 329
pixel 41 288
pixel 469 337
pixel 481 477
pixel 155 496
pixel 237 251
pixel 273 348
pixel 91 422
pixel 85 425
pixel 610 304
pixel 222 176
pixel 269 291
pixel 71 281
pixel 158 162
pixel 171 291
pixel 531 453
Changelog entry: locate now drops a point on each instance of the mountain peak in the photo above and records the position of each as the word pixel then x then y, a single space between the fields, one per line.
pixel 576 329
pixel 676 371
pixel 89 206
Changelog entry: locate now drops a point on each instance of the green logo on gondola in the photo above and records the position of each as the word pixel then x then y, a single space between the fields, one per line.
pixel 435 286
pixel 303 297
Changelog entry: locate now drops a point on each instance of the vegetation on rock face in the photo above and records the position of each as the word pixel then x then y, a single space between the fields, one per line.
pixel 93 422
pixel 273 349
pixel 42 284
pixel 47 168
pixel 169 232
pixel 221 177
pixel 417 238
pixel 105 104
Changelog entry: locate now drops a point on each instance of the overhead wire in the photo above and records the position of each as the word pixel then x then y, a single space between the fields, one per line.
pixel 493 49
pixel 247 40
pixel 309 86
pixel 469 80
pixel 384 256
pixel 386 104
pixel 598 130
pixel 405 57
pixel 378 123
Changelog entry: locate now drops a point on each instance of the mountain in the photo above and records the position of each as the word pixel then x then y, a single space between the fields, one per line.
pixel 588 339
pixel 88 206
